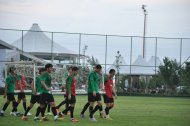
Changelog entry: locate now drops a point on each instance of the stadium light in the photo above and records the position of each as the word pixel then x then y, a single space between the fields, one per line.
pixel 144 31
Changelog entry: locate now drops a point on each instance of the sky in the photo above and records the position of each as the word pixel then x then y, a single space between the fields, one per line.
pixel 166 18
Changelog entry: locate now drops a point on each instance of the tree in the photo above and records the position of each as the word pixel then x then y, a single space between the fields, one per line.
pixel 169 72
pixel 83 76
pixel 185 79
pixel 122 84
pixel 117 65
pixel 155 82
pixel 92 61
pixel 185 75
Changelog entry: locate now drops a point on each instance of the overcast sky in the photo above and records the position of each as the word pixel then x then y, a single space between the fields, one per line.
pixel 166 18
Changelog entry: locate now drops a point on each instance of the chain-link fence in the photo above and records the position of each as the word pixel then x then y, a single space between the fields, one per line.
pixel 124 53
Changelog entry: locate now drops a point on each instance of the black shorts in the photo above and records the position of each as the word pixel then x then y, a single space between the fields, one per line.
pixel 10 97
pixel 46 98
pixel 65 95
pixel 92 98
pixel 34 99
pixel 21 95
pixel 107 99
pixel 72 100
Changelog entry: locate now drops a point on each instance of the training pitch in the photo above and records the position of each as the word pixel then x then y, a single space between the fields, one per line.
pixel 128 111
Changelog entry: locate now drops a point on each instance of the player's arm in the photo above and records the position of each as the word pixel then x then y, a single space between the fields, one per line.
pixel 101 84
pixel 92 82
pixel 27 85
pixel 105 79
pixel 44 85
pixel 33 89
pixel 7 81
pixel 69 82
pixel 5 91
pixel 114 90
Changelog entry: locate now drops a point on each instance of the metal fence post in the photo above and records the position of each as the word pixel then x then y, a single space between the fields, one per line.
pixel 52 57
pixel 156 55
pixel 79 49
pixel 106 52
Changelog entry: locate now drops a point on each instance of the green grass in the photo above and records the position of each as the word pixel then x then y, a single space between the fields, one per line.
pixel 128 111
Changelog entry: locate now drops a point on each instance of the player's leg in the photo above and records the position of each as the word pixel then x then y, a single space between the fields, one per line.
pixel 48 107
pixel 109 105
pixel 67 107
pixel 98 106
pixel 106 101
pixel 60 104
pixel 91 99
pixel 41 108
pixel 23 100
pixel 107 110
pixel 72 107
pixel 6 104
pixel 15 105
pixel 24 117
pixel 53 108
pixel 33 100
pixel 84 109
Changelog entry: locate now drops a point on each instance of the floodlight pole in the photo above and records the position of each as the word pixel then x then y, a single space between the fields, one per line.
pixel 144 31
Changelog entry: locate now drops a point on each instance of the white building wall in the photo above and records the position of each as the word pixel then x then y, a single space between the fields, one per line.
pixel 2 64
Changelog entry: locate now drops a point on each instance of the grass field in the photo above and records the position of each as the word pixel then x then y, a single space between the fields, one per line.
pixel 128 111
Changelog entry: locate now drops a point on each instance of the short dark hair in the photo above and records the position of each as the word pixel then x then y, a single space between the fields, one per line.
pixel 11 69
pixel 98 66
pixel 41 69
pixel 70 67
pixel 111 71
pixel 75 68
pixel 48 65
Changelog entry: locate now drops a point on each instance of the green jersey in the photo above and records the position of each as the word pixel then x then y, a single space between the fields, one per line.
pixel 10 82
pixel 38 84
pixel 19 77
pixel 47 79
pixel 93 82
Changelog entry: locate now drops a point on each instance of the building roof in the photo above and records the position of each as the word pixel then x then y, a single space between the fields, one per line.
pixel 152 60
pixel 139 67
pixel 4 45
pixel 39 44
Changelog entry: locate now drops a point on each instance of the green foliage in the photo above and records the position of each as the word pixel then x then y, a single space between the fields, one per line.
pixel 155 82
pixel 122 84
pixel 83 76
pixel 92 61
pixel 169 72
pixel 185 75
pixel 142 84
pixel 171 75
pixel 117 65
